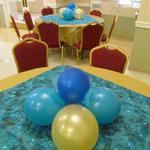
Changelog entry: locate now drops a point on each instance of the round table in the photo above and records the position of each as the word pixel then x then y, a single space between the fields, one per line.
pixel 129 131
pixel 69 30
pixel 115 77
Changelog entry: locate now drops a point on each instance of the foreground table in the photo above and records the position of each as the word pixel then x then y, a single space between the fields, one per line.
pixel 129 131
pixel 112 76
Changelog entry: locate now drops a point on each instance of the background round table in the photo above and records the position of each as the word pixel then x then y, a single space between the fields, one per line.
pixel 70 31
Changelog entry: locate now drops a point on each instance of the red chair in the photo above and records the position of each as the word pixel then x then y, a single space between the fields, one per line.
pixel 109 57
pixel 28 20
pixel 105 37
pixel 90 38
pixel 47 11
pixel 96 12
pixel 30 54
pixel 49 33
pixel 25 36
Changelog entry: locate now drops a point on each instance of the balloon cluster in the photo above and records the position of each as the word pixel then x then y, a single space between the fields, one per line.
pixel 74 111
pixel 71 11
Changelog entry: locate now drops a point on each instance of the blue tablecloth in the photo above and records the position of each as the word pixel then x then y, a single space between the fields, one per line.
pixel 61 21
pixel 131 131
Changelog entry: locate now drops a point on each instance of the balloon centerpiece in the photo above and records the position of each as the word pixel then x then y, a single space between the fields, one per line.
pixel 74 111
pixel 70 12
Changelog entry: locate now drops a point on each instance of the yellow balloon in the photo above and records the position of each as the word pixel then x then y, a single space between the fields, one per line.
pixel 79 13
pixel 75 128
pixel 60 12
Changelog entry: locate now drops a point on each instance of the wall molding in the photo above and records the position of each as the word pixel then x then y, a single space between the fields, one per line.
pixel 58 5
pixel 83 4
pixel 142 24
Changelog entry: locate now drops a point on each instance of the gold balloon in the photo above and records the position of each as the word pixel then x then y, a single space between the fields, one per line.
pixel 75 128
pixel 79 13
pixel 61 11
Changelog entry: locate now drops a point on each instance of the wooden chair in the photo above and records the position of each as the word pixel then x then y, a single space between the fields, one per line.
pixel 30 54
pixel 47 11
pixel 105 37
pixel 90 38
pixel 109 57
pixel 96 12
pixel 25 36
pixel 50 33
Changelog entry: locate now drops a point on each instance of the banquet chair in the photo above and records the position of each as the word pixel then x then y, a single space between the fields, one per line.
pixel 105 37
pixel 47 11
pixel 109 57
pixel 25 36
pixel 96 12
pixel 30 54
pixel 49 32
pixel 28 20
pixel 90 38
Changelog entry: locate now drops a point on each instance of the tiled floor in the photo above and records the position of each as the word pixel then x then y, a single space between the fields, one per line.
pixel 7 66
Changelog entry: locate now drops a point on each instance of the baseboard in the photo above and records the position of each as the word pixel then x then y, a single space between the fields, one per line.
pixel 143 24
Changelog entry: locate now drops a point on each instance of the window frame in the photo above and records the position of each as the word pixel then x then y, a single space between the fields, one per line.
pixel 127 5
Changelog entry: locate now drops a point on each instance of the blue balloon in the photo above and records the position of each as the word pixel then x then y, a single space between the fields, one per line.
pixel 68 14
pixel 72 85
pixel 103 103
pixel 71 6
pixel 41 106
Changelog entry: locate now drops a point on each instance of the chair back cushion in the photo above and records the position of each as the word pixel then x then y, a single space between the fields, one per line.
pixel 91 35
pixel 96 12
pixel 106 58
pixel 49 33
pixel 47 11
pixel 28 20
pixel 15 26
pixel 30 54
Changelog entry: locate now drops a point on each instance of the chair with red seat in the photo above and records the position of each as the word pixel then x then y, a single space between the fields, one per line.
pixel 105 37
pixel 25 36
pixel 30 54
pixel 90 38
pixel 28 20
pixel 50 33
pixel 109 57
pixel 47 11
pixel 96 12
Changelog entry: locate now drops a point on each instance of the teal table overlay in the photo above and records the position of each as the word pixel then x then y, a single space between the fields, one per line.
pixel 131 130
pixel 57 19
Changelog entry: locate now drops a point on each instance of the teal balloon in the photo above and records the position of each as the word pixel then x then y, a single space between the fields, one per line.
pixel 104 104
pixel 68 14
pixel 41 106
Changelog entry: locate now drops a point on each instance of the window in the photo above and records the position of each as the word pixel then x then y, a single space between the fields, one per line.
pixel 132 3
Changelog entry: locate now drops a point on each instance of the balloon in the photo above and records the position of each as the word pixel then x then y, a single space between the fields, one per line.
pixel 67 14
pixel 103 103
pixel 79 13
pixel 41 105
pixel 72 85
pixel 61 11
pixel 71 5
pixel 75 128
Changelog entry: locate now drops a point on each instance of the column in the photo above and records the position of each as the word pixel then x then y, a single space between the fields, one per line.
pixel 140 57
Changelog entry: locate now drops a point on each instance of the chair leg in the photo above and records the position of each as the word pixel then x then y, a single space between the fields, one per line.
pixel 72 53
pixel 62 55
pixel 78 57
pixel 82 55
pixel 65 50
